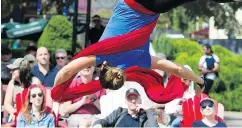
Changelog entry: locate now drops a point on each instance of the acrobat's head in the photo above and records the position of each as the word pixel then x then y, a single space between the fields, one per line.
pixel 111 77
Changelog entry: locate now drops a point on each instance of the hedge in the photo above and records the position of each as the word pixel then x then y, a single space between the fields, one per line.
pixel 227 89
pixel 57 34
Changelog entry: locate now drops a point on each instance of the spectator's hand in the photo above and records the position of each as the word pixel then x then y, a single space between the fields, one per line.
pixel 85 98
pixel 97 126
pixel 141 106
pixel 15 75
pixel 199 90
pixel 204 71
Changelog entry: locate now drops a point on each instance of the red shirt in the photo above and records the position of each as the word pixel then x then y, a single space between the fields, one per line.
pixel 89 107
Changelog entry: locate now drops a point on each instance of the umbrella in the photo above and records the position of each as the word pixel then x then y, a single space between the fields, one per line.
pixel 7 26
pixel 28 31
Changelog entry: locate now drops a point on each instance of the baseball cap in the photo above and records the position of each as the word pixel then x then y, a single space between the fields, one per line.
pixel 30 58
pixel 206 100
pixel 16 63
pixel 132 91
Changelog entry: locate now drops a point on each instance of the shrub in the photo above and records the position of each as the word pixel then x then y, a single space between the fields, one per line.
pixel 57 34
pixel 228 89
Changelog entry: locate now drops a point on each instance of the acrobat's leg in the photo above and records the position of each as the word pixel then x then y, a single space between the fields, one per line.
pixel 162 6
pixel 175 69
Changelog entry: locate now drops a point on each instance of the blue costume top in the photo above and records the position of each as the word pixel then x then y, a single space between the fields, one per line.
pixel 125 20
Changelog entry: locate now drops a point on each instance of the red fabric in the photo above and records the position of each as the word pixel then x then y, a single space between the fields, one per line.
pixel 88 107
pixel 112 45
pixel 149 79
pixel 191 110
pixel 138 7
pixel 119 44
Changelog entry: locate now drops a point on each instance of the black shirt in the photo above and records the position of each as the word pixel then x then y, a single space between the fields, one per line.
pixel 199 123
pixel 95 34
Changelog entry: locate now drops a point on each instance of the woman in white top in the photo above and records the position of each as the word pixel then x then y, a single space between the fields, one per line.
pixel 208 67
pixel 21 79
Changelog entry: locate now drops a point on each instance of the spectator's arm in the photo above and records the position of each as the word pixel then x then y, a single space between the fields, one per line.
pixel 110 120
pixel 73 107
pixel 8 106
pixel 20 121
pixel 216 64
pixel 151 121
pixel 200 64
pixel 97 102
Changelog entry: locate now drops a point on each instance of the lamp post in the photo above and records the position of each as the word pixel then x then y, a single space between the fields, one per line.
pixel 88 22
pixel 74 36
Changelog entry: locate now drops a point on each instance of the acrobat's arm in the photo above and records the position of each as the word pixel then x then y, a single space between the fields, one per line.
pixel 73 67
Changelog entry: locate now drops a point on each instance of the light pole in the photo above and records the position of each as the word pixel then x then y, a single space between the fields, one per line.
pixel 88 22
pixel 74 34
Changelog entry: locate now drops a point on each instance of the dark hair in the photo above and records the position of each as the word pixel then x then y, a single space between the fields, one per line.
pixel 111 78
pixel 25 73
pixel 96 16
pixel 208 47
pixel 5 50
pixel 69 53
pixel 31 48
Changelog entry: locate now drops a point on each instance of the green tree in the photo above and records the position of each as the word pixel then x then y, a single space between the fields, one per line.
pixel 227 90
pixel 183 18
pixel 57 34
pixel 224 14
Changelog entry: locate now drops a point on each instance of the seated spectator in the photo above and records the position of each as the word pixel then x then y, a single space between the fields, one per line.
pixel 69 56
pixel 44 71
pixel 31 49
pixel 137 115
pixel 21 79
pixel 33 113
pixel 61 58
pixel 83 110
pixel 6 59
pixel 207 108
pixel 31 59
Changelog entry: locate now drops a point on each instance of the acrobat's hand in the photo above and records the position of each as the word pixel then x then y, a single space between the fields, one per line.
pixel 105 63
pixel 199 90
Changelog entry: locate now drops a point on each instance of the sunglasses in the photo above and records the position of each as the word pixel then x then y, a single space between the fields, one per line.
pixel 207 105
pixel 39 95
pixel 31 62
pixel 60 58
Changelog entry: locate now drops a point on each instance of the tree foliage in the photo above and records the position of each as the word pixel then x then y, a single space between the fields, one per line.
pixel 57 34
pixel 227 89
pixel 183 18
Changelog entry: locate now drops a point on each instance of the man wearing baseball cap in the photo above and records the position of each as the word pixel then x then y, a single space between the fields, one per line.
pixel 136 115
